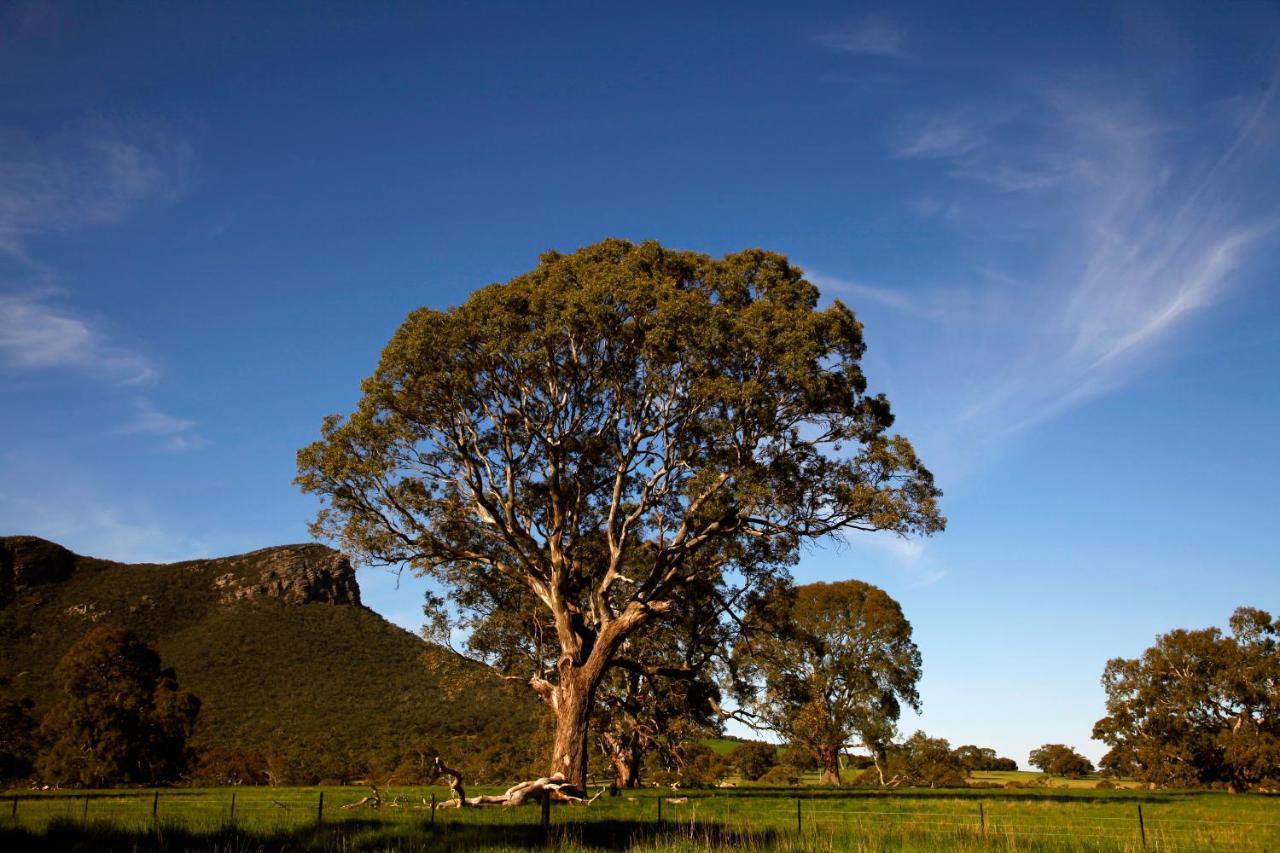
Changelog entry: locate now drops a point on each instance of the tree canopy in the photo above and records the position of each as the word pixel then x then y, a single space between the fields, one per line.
pixel 921 761
pixel 122 717
pixel 1058 759
pixel 612 430
pixel 1199 707
pixel 829 665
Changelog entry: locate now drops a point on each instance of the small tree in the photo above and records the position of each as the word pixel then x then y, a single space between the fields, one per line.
pixel 1057 759
pixel 122 718
pixel 1198 707
pixel 923 761
pixel 753 760
pixel 827 665
pixel 615 431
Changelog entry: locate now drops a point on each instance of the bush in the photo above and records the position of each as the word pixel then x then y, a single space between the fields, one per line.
pixel 1106 784
pixel 753 760
pixel 782 774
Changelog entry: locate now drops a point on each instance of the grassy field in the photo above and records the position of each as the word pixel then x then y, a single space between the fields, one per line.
pixel 270 819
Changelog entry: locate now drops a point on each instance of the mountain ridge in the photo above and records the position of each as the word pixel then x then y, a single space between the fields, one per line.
pixel 279 648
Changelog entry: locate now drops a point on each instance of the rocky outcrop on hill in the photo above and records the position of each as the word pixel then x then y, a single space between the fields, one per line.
pixel 294 574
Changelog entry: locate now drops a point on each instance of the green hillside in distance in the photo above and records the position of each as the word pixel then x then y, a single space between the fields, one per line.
pixel 280 651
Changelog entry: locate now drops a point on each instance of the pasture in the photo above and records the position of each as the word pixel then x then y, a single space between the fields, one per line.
pixel 749 818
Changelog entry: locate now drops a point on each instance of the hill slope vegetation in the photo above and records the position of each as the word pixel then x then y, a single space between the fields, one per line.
pixel 298 680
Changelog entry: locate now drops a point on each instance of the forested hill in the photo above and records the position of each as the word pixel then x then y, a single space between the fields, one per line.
pixel 288 664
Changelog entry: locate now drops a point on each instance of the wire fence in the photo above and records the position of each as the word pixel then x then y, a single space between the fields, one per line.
pixel 1122 824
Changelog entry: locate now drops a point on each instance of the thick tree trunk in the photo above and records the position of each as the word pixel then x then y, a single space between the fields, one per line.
pixel 574 696
pixel 830 761
pixel 626 757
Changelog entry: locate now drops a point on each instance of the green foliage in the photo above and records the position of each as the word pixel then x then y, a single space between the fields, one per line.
pixel 122 718
pixel 291 692
pixel 619 431
pixel 1057 759
pixel 1198 707
pixel 923 761
pixel 783 774
pixel 692 765
pixel 18 740
pixel 829 663
pixel 753 760
pixel 983 758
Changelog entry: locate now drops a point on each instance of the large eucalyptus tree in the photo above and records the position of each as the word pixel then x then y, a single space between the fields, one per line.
pixel 618 428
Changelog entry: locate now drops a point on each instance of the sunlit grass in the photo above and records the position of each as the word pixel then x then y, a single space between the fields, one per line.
pixel 745 819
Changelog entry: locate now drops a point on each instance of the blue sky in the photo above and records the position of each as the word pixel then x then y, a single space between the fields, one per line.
pixel 1059 226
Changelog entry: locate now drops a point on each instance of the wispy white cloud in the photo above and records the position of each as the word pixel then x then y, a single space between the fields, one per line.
pixel 37 334
pixel 873 35
pixel 858 293
pixel 177 434
pixel 1134 228
pixel 93 173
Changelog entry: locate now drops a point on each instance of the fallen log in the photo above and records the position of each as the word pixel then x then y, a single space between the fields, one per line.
pixel 553 787
pixel 373 802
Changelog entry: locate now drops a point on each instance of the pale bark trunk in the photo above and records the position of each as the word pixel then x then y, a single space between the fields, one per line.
pixel 574 696
pixel 830 761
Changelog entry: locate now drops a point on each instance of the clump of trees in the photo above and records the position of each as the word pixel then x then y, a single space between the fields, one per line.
pixel 1198 707
pixel 919 761
pixel 829 666
pixel 620 433
pixel 1056 759
pixel 983 758
pixel 122 719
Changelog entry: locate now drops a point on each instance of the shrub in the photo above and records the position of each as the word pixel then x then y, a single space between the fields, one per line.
pixel 780 775
pixel 753 760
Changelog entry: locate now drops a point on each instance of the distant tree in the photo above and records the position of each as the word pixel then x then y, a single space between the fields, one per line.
pixel 799 758
pixel 122 718
pixel 688 765
pixel 983 758
pixel 617 430
pixel 1198 707
pixel 753 760
pixel 222 766
pixel 783 774
pixel 1057 759
pixel 18 741
pixel 828 666
pixel 924 762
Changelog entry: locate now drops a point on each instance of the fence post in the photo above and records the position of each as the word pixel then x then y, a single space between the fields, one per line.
pixel 233 807
pixel 84 816
pixel 546 816
pixel 433 809
pixel 659 808
pixel 15 809
pixel 799 826
pixel 982 818
pixel 155 804
pixel 320 810
pixel 1142 827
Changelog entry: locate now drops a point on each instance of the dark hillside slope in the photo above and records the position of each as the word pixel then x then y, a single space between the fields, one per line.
pixel 278 648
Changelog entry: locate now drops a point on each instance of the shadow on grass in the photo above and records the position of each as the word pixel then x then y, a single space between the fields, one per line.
pixel 352 836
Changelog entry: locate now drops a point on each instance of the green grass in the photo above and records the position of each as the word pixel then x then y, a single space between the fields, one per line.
pixel 1063 819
